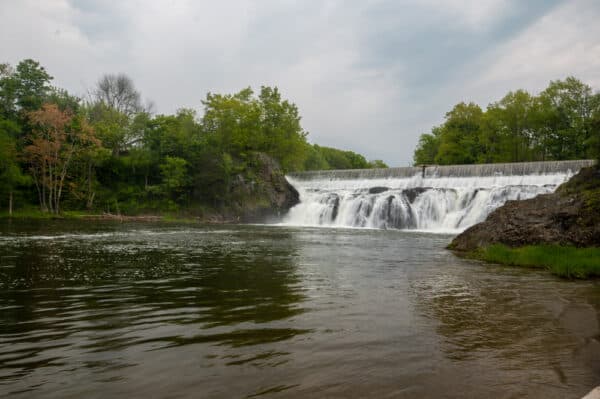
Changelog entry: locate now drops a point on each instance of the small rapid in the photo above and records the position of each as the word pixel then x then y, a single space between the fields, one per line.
pixel 445 199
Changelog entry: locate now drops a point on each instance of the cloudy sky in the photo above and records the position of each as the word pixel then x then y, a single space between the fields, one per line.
pixel 367 75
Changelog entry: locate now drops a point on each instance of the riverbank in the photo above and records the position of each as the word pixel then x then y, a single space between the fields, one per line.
pixel 567 262
pixel 558 231
pixel 77 215
pixel 259 194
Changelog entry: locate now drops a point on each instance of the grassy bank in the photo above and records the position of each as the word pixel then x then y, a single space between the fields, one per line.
pixel 567 262
pixel 36 214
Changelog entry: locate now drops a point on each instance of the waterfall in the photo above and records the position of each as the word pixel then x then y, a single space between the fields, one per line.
pixel 433 198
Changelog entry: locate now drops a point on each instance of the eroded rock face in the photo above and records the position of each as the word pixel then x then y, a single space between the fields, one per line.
pixel 265 196
pixel 570 216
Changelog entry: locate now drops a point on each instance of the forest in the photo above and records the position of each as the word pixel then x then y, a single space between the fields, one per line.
pixel 108 152
pixel 562 122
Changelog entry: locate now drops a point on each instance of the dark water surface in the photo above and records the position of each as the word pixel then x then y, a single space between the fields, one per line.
pixel 96 310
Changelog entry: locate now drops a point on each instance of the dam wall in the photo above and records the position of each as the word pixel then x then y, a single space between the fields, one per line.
pixel 432 171
pixel 444 199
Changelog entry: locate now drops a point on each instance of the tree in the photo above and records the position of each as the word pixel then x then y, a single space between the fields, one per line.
pixel 85 185
pixel 232 122
pixel 428 147
pixel 459 135
pixel 8 89
pixel 336 159
pixel 56 138
pixel 11 175
pixel 23 89
pixel 118 92
pixel 377 163
pixel 174 135
pixel 174 175
pixel 315 159
pixel 593 142
pixel 284 138
pixel 111 126
pixel 64 100
pixel 240 124
pixel 564 118
pixel 508 133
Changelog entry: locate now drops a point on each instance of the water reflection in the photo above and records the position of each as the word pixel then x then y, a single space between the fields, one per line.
pixel 539 331
pixel 118 310
pixel 86 300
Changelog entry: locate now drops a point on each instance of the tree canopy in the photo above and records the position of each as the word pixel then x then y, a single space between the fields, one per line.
pixel 559 123
pixel 109 153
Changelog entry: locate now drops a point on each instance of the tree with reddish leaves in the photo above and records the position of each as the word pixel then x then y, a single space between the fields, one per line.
pixel 57 137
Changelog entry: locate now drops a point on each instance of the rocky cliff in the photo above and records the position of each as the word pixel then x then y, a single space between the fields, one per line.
pixel 261 193
pixel 569 216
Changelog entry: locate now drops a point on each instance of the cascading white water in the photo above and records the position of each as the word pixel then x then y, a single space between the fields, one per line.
pixel 423 201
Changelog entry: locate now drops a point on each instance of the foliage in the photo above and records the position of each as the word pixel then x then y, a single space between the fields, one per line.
pixel 110 154
pixel 240 124
pixel 559 123
pixel 11 175
pixel 568 262
pixel 428 147
pixel 377 163
pixel 324 158
pixel 56 138
pixel 23 89
pixel 174 176
pixel 118 92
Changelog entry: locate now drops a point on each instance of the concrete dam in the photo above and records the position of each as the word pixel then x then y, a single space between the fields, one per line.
pixel 444 199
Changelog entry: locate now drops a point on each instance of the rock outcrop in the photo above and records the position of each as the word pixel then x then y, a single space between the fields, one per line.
pixel 569 216
pixel 261 193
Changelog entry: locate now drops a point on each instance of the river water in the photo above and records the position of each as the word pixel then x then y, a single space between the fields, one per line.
pixel 97 310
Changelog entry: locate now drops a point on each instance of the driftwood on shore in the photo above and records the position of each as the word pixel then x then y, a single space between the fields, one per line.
pixel 212 219
pixel 124 218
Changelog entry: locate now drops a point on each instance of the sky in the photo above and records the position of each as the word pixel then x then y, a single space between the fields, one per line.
pixel 367 76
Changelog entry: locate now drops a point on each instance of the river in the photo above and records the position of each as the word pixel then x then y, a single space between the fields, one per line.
pixel 96 310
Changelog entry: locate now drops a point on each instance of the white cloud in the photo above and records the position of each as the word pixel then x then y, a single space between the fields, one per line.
pixel 562 43
pixel 370 76
pixel 45 31
pixel 474 14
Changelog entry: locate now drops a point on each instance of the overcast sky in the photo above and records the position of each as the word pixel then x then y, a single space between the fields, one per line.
pixel 368 76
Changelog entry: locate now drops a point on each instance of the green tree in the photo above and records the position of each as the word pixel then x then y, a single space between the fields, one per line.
pixel 593 142
pixel 460 134
pixel 336 159
pixel 25 88
pixel 11 176
pixel 564 118
pixel 377 163
pixel 232 122
pixel 64 100
pixel 8 91
pixel 240 123
pixel 315 159
pixel 507 134
pixel 174 177
pixel 428 147
pixel 280 129
pixel 111 126
pixel 174 135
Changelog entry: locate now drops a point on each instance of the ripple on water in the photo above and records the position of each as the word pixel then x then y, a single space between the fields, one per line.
pixel 283 312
